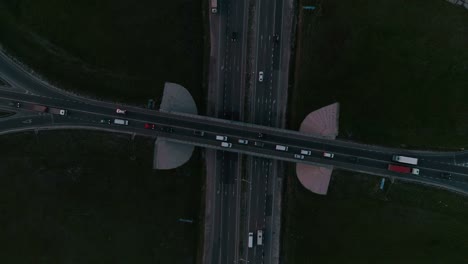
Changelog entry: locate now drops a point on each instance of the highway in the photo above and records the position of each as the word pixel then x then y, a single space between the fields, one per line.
pixel 231 44
pixel 265 109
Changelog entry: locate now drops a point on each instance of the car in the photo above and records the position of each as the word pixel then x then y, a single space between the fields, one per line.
pixel 226 144
pixel 221 138
pixel 199 133
pixel 243 141
pixel 18 105
pixel 103 121
pixel 353 159
pixel 328 155
pixel 260 135
pixel 169 129
pixel 150 126
pixel 260 76
pixel 276 38
pixel 306 152
pixel 258 144
pixel 234 36
pixel 298 156
pixel 121 111
pixel 446 175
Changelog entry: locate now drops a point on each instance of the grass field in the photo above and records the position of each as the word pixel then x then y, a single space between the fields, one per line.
pixel 88 197
pixel 116 49
pixel 399 69
pixel 357 223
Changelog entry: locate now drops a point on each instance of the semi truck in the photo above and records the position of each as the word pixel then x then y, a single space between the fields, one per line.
pixel 403 169
pixel 52 110
pixel 214 6
pixel 57 111
pixel 121 122
pixel 404 159
pixel 39 108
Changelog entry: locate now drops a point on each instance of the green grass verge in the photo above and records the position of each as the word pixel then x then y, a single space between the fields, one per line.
pixel 112 49
pixel 398 68
pixel 85 197
pixel 357 223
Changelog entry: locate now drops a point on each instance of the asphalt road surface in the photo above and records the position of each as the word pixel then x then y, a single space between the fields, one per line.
pixel 231 45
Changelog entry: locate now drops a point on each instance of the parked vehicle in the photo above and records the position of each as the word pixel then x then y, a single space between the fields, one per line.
pixel 306 152
pixel 221 138
pixel 260 76
pixel 328 155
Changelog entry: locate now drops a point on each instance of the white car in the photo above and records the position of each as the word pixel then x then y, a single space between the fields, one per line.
pixel 328 155
pixel 306 152
pixel 260 76
pixel 121 111
pixel 243 141
pixel 299 156
pixel 226 145
pixel 221 138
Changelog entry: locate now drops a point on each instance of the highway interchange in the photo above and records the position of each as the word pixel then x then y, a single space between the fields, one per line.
pixel 87 114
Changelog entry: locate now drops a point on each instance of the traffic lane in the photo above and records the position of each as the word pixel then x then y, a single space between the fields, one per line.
pixel 202 125
pixel 21 78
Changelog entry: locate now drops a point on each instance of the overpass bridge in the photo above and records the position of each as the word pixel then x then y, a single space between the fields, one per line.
pixel 348 155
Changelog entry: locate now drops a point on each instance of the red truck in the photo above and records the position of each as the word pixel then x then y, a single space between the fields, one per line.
pixel 402 169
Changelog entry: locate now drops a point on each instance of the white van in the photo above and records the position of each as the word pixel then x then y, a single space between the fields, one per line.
pixel 121 122
pixel 250 239
pixel 221 138
pixel 306 152
pixel 281 148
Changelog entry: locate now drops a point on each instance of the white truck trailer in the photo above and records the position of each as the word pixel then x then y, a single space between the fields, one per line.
pixel 404 159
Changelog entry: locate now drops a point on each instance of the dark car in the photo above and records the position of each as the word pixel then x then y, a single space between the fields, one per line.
pixel 353 159
pixel 234 36
pixel 260 135
pixel 258 144
pixel 276 38
pixel 446 175
pixel 199 133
